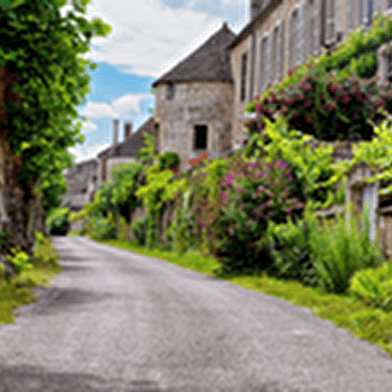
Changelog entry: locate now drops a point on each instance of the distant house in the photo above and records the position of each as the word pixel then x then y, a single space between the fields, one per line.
pixel 125 151
pixel 194 102
pixel 82 183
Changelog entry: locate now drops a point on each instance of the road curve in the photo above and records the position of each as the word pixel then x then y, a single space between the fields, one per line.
pixel 115 321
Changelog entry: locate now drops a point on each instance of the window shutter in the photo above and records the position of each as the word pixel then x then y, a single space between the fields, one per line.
pixel 349 15
pixel 279 52
pixel 300 58
pixel 268 60
pixel 288 36
pixel 330 25
pixel 316 27
pixel 261 67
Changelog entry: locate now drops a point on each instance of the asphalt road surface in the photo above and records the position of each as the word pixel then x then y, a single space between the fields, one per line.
pixel 115 321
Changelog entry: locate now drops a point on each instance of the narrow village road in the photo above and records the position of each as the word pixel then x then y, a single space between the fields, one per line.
pixel 115 321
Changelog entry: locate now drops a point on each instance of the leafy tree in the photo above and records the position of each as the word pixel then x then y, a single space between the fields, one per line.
pixel 41 48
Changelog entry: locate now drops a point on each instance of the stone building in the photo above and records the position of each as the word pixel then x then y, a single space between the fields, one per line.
pixel 194 102
pixel 284 33
pixel 82 183
pixel 125 151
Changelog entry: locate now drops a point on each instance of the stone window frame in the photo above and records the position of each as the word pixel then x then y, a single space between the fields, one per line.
pixel 171 91
pixel 384 59
pixel 244 64
pixel 290 37
pixel 196 146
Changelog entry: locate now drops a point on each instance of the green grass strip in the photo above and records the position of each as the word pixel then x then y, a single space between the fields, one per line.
pixel 373 325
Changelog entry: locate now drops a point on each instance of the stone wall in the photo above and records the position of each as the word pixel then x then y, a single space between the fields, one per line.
pixel 113 162
pixel 195 103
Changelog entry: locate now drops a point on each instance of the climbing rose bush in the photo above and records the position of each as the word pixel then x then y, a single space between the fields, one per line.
pixel 319 105
pixel 250 195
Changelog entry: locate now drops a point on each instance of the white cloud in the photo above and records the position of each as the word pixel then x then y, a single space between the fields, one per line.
pixel 148 38
pixel 89 126
pixel 127 105
pixel 84 153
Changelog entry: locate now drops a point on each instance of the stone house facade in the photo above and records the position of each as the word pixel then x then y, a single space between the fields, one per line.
pixel 82 183
pixel 284 33
pixel 194 101
pixel 125 151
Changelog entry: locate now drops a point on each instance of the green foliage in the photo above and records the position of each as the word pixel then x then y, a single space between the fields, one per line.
pixel 167 160
pixel 139 229
pixel 146 153
pixel 3 271
pixel 57 221
pixel 3 237
pixel 339 250
pixel 374 286
pixel 102 228
pixel 43 51
pixel 19 259
pixel 289 247
pixel 45 256
pixel 310 161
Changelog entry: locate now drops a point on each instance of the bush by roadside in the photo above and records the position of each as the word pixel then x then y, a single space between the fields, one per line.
pixel 14 291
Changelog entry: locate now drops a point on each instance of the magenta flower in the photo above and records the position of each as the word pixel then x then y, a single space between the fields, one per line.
pixel 276 182
pixel 288 209
pixel 223 196
pixel 252 164
pixel 260 188
pixel 240 189
pixel 269 203
pixel 202 223
pixel 261 214
pixel 290 178
pixel 260 175
pixel 176 196
pixel 231 232
pixel 254 197
pixel 309 119
pixel 308 103
pixel 270 213
pixel 203 203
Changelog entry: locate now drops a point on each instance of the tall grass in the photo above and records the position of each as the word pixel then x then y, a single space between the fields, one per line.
pixel 339 249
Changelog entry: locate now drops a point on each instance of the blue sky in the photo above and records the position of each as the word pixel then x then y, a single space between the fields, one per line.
pixel 148 38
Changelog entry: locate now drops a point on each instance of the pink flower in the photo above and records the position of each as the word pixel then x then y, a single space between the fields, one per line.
pixel 330 106
pixel 231 232
pixel 240 189
pixel 229 181
pixel 270 213
pixel 252 164
pixel 203 203
pixel 260 188
pixel 260 175
pixel 285 110
pixel 309 119
pixel 276 182
pixel 260 214
pixel 202 223
pixel 308 88
pixel 256 97
pixel 223 196
pixel 269 203
pixel 176 196
pixel 290 178
pixel 288 209
pixel 346 99
pixel 308 103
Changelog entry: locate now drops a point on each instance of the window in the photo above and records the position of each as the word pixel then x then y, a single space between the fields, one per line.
pixel 171 91
pixel 293 38
pixel 389 67
pixel 274 60
pixel 200 137
pixel 370 12
pixel 243 76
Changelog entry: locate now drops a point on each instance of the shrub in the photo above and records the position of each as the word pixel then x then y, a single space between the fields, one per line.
pixel 290 250
pixel 102 229
pixel 19 259
pixel 44 254
pixel 139 229
pixel 168 160
pixel 3 271
pixel 339 251
pixel 58 221
pixel 374 286
pixel 251 194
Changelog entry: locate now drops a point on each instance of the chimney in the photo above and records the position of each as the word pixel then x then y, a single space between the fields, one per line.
pixel 127 130
pixel 115 132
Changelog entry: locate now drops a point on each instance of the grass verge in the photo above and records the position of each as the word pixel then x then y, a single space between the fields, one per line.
pixel 15 292
pixel 362 321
